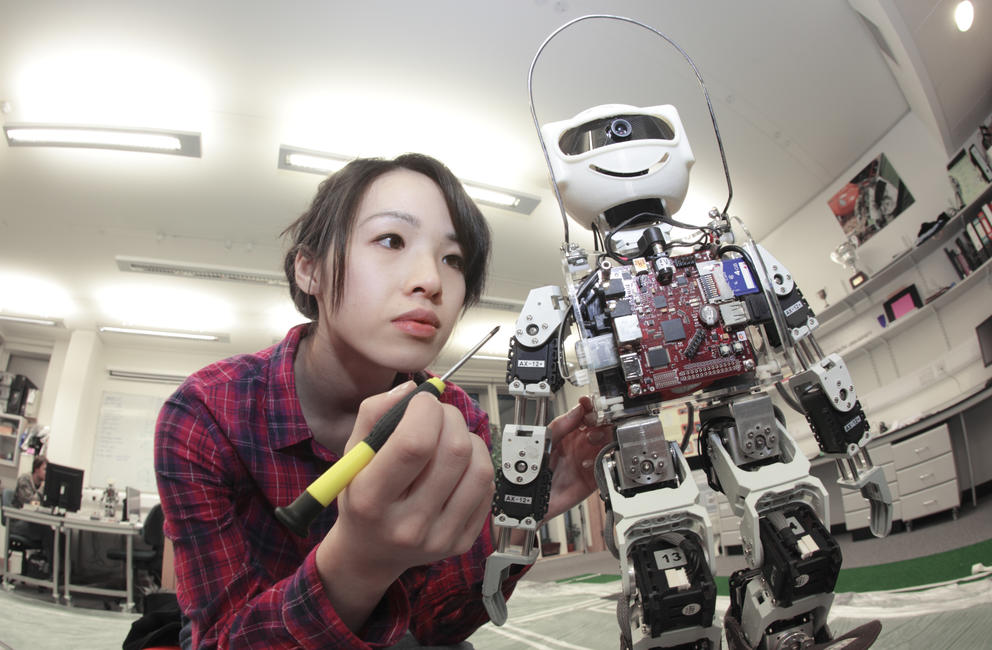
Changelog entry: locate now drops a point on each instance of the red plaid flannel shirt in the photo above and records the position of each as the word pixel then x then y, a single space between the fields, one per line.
pixel 230 445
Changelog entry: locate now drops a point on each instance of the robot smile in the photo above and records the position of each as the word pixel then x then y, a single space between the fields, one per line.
pixel 641 172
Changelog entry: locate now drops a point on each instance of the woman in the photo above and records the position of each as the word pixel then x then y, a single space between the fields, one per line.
pixel 383 262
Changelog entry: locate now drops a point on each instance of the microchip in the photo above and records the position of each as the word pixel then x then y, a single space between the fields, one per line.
pixel 673 330
pixel 658 357
pixel 660 302
pixel 622 309
pixel 614 290
pixel 682 281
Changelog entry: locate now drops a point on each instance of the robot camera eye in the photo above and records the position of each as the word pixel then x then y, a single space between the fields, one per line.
pixel 620 129
pixel 605 131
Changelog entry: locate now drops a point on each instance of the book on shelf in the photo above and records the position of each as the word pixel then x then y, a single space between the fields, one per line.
pixel 983 237
pixel 971 256
pixel 956 262
pixel 977 240
pixel 985 218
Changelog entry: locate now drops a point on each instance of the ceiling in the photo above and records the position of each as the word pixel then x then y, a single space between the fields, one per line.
pixel 801 91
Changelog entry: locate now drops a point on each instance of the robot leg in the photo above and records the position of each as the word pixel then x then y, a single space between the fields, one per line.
pixel 661 534
pixel 784 596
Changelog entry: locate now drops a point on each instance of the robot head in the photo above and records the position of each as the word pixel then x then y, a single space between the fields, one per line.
pixel 615 154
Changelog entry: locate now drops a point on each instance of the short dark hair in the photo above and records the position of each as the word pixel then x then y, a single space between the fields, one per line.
pixel 325 228
pixel 37 462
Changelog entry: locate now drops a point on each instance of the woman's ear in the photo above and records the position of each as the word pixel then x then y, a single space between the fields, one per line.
pixel 307 274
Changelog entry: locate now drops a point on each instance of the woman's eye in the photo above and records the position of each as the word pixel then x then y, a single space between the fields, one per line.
pixel 390 240
pixel 455 261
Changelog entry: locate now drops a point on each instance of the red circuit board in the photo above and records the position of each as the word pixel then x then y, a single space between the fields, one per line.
pixel 675 353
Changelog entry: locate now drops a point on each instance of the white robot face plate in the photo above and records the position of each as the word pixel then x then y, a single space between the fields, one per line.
pixel 614 154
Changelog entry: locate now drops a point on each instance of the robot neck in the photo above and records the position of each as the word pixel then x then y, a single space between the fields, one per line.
pixel 639 212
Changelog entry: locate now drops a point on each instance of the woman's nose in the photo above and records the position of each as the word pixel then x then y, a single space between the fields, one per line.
pixel 425 276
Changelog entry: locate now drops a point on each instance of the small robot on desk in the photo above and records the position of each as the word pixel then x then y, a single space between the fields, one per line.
pixel 702 320
pixel 110 499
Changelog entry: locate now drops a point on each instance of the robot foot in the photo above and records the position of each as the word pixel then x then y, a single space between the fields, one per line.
pixel 860 637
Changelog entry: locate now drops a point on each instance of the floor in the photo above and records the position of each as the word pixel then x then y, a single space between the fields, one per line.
pixel 545 613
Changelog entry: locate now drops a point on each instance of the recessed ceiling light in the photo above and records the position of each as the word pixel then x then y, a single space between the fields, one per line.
pixel 31 320
pixel 306 160
pixel 318 162
pixel 964 15
pixel 195 336
pixel 90 137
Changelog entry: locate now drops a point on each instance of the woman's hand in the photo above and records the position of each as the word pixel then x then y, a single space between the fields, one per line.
pixel 575 441
pixel 422 498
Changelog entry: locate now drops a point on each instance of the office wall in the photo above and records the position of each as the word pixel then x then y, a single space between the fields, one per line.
pixel 83 379
pixel 936 359
pixel 804 242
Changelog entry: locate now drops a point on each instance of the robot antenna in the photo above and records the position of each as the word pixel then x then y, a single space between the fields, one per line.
pixel 537 125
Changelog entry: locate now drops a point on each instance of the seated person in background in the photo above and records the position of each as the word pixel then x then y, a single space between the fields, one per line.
pixel 383 264
pixel 29 486
pixel 29 491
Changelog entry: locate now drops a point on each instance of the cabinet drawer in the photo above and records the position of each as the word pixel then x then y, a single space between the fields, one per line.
pixel 927 474
pixel 730 538
pixel 881 454
pixel 931 500
pixel 925 446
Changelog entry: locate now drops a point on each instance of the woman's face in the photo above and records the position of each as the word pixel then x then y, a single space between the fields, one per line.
pixel 404 287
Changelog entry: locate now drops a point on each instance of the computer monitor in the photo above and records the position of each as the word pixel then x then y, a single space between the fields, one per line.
pixel 63 488
pixel 984 332
pixel 132 503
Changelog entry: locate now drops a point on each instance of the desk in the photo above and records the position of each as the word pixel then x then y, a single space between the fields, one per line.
pixel 129 530
pixel 45 518
pixel 941 416
pixel 68 523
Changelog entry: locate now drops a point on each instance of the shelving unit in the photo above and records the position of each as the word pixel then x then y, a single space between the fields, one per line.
pixel 866 343
pixel 832 317
pixel 10 450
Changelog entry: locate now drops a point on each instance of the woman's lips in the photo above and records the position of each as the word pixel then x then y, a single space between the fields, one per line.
pixel 418 323
pixel 416 328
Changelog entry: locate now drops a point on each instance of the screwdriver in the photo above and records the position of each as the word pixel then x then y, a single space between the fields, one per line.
pixel 298 515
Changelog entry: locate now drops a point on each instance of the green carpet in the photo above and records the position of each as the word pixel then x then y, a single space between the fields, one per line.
pixel 949 565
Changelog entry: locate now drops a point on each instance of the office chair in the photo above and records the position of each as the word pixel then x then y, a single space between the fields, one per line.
pixel 149 559
pixel 17 543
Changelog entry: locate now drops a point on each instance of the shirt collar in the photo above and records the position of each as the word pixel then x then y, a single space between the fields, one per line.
pixel 287 426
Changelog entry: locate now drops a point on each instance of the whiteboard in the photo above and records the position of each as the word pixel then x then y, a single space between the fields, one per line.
pixel 124 447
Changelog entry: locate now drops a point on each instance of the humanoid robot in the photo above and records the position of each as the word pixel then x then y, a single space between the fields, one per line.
pixel 702 321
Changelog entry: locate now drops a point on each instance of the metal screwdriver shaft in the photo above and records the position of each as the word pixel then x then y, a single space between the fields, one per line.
pixel 299 515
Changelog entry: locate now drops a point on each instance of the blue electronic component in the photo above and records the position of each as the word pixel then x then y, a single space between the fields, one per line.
pixel 739 277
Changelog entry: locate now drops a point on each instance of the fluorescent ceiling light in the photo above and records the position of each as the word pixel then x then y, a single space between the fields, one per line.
pixel 307 160
pixel 31 320
pixel 964 15
pixel 165 333
pixel 150 141
pixel 494 197
pixel 143 375
pixel 320 162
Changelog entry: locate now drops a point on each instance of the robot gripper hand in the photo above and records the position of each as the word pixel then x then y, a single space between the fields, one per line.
pixel 826 393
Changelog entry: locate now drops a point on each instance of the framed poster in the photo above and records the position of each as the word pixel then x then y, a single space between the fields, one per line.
pixel 871 200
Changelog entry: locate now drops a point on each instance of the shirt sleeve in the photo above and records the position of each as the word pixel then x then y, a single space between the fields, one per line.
pixel 230 598
pixel 446 597
pixel 25 491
